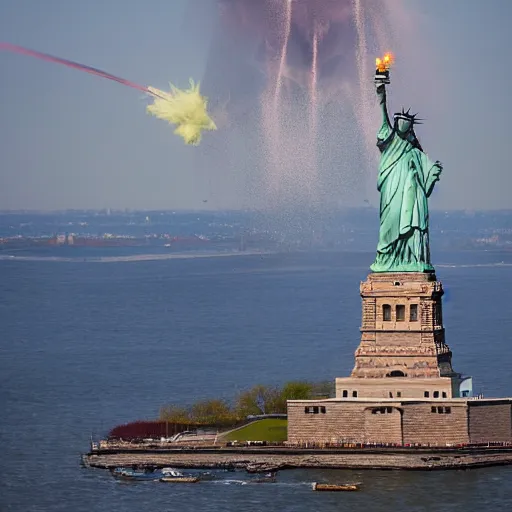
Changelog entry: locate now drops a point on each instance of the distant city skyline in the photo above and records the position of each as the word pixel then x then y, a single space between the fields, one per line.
pixel 69 140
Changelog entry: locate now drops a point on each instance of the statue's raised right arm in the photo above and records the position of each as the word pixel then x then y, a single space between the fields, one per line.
pixel 385 128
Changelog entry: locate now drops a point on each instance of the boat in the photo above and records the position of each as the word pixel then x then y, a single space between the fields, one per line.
pixel 135 474
pixel 335 487
pixel 170 475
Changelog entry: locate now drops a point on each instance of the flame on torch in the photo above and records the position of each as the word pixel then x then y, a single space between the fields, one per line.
pixel 384 63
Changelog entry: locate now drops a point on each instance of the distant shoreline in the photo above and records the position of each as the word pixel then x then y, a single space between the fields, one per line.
pixel 134 257
pixel 191 255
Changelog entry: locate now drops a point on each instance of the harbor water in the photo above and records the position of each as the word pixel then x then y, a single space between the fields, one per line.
pixel 87 345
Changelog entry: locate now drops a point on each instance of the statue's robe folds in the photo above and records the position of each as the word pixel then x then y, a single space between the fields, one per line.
pixel 406 180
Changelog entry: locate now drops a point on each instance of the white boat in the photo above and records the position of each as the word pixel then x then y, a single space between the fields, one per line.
pixel 170 475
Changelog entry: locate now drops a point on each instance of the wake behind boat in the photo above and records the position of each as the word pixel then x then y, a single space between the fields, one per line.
pixel 270 477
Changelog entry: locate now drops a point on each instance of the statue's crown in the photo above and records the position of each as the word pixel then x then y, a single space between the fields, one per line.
pixel 407 116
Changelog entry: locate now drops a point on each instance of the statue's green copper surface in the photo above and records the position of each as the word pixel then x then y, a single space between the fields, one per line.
pixel 405 181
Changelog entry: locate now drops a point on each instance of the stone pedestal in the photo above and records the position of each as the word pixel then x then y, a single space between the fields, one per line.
pixel 402 390
pixel 402 332
pixel 402 353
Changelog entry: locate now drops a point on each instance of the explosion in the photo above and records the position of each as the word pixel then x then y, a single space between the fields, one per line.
pixel 186 109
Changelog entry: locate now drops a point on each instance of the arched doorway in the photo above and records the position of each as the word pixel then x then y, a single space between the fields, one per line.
pixel 396 373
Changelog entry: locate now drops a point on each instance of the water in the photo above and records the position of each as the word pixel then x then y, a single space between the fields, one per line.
pixel 88 345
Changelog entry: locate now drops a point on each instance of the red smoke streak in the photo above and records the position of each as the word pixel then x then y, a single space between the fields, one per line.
pixel 71 64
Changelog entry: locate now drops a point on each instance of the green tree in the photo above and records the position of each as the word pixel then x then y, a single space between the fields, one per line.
pixel 258 400
pixel 297 390
pixel 175 414
pixel 326 389
pixel 294 390
pixel 212 412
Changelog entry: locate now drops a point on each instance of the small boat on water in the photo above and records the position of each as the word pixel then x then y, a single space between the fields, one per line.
pixel 170 475
pixel 335 487
pixel 136 474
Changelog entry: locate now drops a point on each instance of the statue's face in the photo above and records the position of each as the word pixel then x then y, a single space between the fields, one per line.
pixel 403 125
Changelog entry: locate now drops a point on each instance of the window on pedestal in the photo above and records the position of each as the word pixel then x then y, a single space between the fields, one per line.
pixel 441 410
pixel 386 313
pixel 345 393
pixel 436 394
pixel 354 394
pixel 413 313
pixel 400 313
pixel 426 394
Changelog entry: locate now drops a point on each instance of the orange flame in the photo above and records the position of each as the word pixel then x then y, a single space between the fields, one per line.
pixel 384 63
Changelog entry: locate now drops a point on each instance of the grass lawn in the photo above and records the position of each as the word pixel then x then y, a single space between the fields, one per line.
pixel 271 429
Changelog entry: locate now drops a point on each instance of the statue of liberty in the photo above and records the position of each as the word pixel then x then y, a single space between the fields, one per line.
pixel 405 181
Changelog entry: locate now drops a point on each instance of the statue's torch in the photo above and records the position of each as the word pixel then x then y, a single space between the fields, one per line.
pixel 382 66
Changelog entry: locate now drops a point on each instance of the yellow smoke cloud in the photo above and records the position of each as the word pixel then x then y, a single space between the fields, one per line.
pixel 186 109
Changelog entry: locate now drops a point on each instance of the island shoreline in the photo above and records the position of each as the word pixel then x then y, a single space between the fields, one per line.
pixel 268 459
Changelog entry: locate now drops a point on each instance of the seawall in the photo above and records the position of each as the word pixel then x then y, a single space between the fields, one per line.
pixel 266 459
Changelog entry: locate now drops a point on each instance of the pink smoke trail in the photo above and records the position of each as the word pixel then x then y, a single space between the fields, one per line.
pixel 270 112
pixel 76 65
pixel 314 105
pixel 365 86
pixel 284 51
pixel 271 129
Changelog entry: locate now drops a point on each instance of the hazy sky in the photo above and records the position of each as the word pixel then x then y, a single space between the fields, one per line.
pixel 72 140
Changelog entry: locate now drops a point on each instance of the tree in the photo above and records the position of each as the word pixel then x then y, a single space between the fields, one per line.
pixel 297 390
pixel 326 389
pixel 294 390
pixel 175 414
pixel 258 400
pixel 212 412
